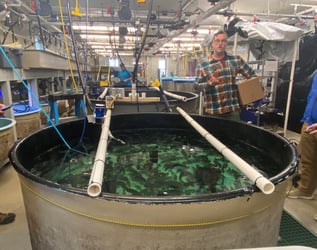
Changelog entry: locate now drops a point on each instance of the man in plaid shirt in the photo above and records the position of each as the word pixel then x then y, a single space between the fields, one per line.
pixel 217 76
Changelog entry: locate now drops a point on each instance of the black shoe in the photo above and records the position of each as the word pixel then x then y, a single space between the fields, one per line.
pixel 6 218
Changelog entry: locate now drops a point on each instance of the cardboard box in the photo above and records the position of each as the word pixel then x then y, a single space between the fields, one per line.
pixel 250 90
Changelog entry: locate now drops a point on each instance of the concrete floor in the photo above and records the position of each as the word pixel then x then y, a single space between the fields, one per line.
pixel 15 236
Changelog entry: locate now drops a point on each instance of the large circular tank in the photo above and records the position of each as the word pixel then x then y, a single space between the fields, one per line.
pixel 63 217
pixel 7 139
pixel 152 102
pixel 27 119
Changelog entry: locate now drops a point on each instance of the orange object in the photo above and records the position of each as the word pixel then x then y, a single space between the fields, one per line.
pixel 140 1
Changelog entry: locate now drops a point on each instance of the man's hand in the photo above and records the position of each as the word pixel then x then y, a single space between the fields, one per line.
pixel 1 111
pixel 312 129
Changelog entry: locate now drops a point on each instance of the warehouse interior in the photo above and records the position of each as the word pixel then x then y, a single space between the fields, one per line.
pixel 73 165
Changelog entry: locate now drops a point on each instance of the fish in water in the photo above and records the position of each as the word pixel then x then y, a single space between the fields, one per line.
pixel 208 177
pixel 187 149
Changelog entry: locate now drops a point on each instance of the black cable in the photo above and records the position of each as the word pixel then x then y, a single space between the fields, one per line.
pixel 168 106
pixel 76 59
pixel 117 51
pixel 143 41
pixel 40 26
pixel 134 74
pixel 7 33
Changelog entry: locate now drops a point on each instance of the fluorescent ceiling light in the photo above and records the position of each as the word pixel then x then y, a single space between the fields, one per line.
pixel 106 37
pixel 178 49
pixel 200 31
pixel 100 28
pixel 109 47
pixel 175 45
pixel 187 39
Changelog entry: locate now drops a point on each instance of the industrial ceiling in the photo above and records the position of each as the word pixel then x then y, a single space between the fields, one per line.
pixel 155 26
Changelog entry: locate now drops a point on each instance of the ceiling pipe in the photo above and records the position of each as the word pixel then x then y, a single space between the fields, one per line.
pixel 212 11
pixel 41 18
pixel 112 20
pixel 299 14
pixel 185 6
pixel 268 15
pixel 115 20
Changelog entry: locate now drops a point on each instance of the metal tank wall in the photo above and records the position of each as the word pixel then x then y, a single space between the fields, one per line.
pixel 61 217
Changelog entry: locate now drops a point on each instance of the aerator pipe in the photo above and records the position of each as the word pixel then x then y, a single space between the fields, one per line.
pixel 103 94
pixel 177 97
pixel 96 177
pixel 265 185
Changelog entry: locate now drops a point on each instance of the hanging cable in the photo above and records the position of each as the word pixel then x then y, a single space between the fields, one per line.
pixel 9 30
pixel 40 26
pixel 86 45
pixel 66 47
pixel 143 41
pixel 76 59
pixel 115 47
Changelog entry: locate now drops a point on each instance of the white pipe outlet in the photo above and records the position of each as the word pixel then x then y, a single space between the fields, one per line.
pixel 103 94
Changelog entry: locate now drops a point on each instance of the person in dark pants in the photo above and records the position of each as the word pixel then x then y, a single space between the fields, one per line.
pixel 5 218
pixel 306 181
pixel 312 130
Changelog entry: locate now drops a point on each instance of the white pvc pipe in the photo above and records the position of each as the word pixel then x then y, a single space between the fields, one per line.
pixel 265 185
pixel 177 97
pixel 103 94
pixel 96 177
pixel 290 88
pixel 201 103
pixel 235 43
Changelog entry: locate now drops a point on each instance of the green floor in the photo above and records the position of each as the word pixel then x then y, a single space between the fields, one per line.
pixel 293 233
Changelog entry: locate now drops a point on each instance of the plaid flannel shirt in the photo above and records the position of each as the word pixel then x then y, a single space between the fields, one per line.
pixel 222 97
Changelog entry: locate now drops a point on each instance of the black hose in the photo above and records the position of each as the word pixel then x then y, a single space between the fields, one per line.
pixel 40 27
pixel 143 41
pixel 7 33
pixel 168 106
pixel 134 74
pixel 76 59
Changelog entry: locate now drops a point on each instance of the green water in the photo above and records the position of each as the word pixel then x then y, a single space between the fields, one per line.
pixel 153 163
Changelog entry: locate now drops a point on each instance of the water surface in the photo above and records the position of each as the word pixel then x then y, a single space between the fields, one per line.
pixel 154 163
